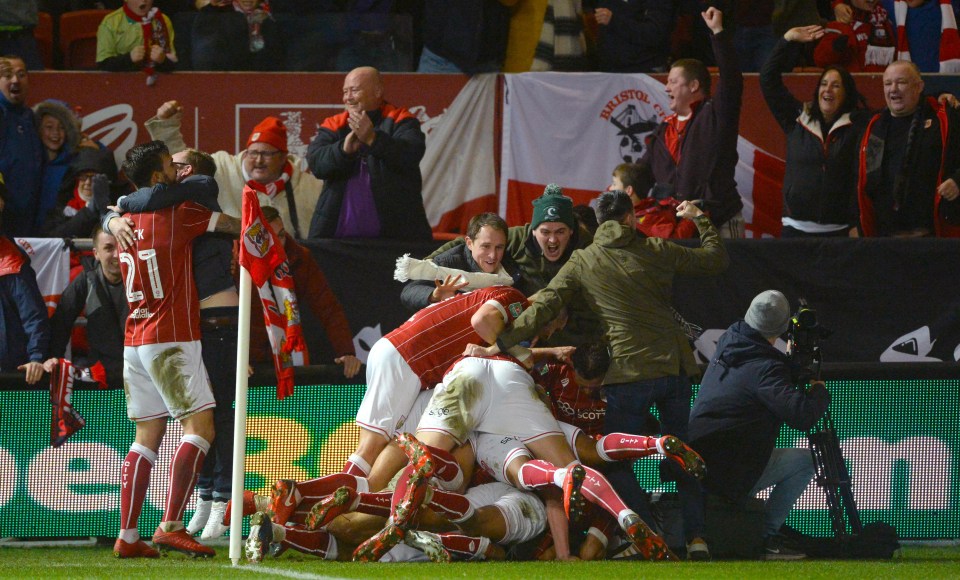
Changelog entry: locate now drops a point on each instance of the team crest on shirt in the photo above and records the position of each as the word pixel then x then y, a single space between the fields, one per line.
pixel 515 309
pixel 257 239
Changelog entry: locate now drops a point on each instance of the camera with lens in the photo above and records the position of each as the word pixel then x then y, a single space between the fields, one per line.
pixel 804 335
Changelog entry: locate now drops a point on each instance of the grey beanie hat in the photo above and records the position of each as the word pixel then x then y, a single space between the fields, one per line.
pixel 769 313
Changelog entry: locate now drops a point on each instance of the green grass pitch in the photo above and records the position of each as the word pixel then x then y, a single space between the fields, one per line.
pixel 914 563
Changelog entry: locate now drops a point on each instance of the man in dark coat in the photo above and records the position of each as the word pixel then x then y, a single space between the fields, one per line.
pixel 98 293
pixel 693 153
pixel 369 160
pixel 746 395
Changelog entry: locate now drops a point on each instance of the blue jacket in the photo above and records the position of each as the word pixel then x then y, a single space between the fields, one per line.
pixel 745 397
pixel 21 162
pixel 24 329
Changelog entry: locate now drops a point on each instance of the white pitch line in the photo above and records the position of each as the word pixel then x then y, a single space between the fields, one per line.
pixel 258 569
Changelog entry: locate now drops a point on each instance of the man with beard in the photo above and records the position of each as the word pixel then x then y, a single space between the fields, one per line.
pixel 163 371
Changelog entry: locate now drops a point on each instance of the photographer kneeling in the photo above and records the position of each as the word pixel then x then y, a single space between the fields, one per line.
pixel 746 395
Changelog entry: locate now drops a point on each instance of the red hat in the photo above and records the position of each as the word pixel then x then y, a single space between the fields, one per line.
pixel 270 131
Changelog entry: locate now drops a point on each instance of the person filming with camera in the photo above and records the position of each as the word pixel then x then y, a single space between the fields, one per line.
pixel 747 393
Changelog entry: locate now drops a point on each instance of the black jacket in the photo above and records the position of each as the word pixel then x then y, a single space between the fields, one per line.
pixel 469 33
pixel 637 39
pixel 708 149
pixel 89 293
pixel 745 397
pixel 394 165
pixel 416 293
pixel 820 183
pixel 905 197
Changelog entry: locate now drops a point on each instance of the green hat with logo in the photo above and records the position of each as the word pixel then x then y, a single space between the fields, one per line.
pixel 553 206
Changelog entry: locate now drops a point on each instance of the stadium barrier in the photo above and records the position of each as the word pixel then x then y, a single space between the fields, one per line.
pixel 899 427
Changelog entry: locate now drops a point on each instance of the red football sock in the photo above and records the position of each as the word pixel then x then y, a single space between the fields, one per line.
pixel 536 474
pixel 464 547
pixel 184 469
pixel 314 490
pixel 375 503
pixel 134 479
pixel 357 466
pixel 620 446
pixel 453 506
pixel 400 493
pixel 445 466
pixel 401 489
pixel 598 490
pixel 316 542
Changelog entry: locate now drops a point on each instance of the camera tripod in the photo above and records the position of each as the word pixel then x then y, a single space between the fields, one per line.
pixel 832 475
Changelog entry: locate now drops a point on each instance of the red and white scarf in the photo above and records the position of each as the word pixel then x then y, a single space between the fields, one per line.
pixel 154 28
pixel 65 420
pixel 262 255
pixel 75 204
pixel 271 189
pixel 949 40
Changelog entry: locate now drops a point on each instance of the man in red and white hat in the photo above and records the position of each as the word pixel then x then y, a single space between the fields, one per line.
pixel 280 178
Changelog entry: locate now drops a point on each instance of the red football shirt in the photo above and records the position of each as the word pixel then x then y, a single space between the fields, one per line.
pixel 435 337
pixel 579 406
pixel 158 274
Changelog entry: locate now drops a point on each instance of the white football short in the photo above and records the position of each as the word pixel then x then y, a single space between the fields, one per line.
pixel 409 423
pixel 167 379
pixel 525 516
pixel 392 390
pixel 495 452
pixel 489 396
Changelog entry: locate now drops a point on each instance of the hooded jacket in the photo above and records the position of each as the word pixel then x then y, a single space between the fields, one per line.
pixel 745 397
pixel 626 279
pixel 23 315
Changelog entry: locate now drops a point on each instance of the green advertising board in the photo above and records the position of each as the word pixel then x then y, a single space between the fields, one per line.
pixel 901 440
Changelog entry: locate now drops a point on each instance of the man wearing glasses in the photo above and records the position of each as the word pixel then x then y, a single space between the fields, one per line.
pixel 279 178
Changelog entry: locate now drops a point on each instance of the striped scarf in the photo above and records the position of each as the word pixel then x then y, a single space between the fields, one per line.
pixel 154 28
pixel 949 40
pixel 561 45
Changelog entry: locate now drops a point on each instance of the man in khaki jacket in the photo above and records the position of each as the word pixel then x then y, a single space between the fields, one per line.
pixel 627 279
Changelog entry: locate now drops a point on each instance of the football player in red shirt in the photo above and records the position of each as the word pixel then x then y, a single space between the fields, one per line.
pixel 163 371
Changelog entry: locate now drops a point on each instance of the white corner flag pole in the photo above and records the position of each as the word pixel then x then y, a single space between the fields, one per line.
pixel 240 418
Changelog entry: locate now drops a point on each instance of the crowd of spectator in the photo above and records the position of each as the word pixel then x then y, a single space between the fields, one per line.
pixel 457 36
